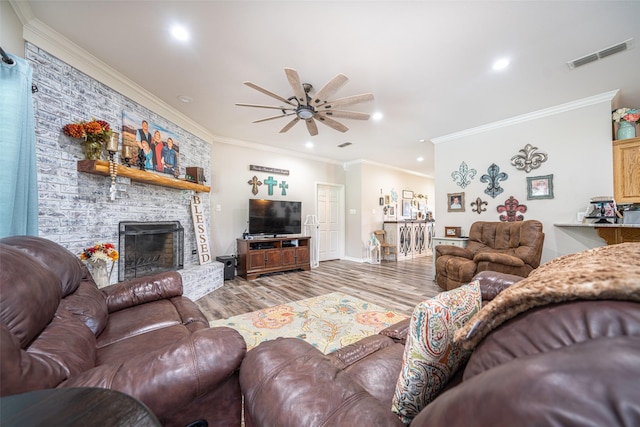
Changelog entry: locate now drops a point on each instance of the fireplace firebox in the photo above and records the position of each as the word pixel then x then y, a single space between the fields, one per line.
pixel 149 247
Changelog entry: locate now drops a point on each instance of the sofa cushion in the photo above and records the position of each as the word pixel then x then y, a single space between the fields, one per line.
pixel 27 301
pixel 609 272
pixel 89 304
pixel 430 357
pixel 592 383
pixel 64 264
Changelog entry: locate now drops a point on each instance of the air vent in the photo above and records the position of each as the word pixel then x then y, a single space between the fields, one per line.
pixel 620 47
pixel 344 144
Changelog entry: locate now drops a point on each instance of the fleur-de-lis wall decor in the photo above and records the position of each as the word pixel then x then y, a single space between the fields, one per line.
pixel 463 175
pixel 511 208
pixel 493 178
pixel 477 206
pixel 529 159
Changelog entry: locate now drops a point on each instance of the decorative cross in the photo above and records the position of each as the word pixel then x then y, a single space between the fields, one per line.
pixel 284 186
pixel 255 183
pixel 511 207
pixel 271 183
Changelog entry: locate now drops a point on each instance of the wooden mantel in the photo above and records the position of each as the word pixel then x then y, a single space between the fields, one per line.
pixel 101 167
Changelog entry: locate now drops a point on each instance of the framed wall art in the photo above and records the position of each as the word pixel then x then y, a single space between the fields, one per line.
pixel 407 194
pixel 153 145
pixel 455 202
pixel 406 208
pixel 540 187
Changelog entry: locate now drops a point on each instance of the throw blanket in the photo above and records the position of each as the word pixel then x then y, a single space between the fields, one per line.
pixel 609 272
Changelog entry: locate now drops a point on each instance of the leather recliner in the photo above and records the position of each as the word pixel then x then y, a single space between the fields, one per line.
pixel 505 247
pixel 140 337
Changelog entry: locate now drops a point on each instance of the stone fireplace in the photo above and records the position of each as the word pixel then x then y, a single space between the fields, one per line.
pixel 149 247
pixel 78 209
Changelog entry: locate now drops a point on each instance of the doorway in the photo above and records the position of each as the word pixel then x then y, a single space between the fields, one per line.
pixel 330 208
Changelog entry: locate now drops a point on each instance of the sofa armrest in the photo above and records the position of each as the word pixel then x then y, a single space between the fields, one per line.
pixel 168 379
pixel 352 353
pixel 289 383
pixel 453 250
pixel 498 258
pixel 493 282
pixel 143 290
pixel 397 332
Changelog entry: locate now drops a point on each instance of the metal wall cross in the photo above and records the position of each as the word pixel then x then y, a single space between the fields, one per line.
pixel 255 183
pixel 270 182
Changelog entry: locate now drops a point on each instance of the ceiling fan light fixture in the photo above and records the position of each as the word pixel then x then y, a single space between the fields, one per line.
pixel 305 112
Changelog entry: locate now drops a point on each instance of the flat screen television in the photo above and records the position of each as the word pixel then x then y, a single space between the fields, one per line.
pixel 274 217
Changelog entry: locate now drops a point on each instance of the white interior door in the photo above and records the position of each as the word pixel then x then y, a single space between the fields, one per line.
pixel 330 201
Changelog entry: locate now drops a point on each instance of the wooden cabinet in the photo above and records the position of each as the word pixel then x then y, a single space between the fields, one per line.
pixel 626 170
pixel 256 257
pixel 411 237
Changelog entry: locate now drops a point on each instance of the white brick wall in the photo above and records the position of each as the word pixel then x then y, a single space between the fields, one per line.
pixel 74 207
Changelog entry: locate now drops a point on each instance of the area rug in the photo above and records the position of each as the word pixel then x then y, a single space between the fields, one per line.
pixel 328 322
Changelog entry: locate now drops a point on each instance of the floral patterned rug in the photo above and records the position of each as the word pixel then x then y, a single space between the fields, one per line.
pixel 328 322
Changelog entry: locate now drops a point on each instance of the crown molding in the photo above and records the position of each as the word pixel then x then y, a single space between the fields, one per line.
pixel 562 108
pixel 271 149
pixel 382 165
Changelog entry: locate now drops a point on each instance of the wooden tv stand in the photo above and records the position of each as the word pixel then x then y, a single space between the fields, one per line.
pixel 261 256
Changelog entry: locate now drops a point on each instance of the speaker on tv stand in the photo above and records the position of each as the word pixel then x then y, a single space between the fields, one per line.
pixel 229 263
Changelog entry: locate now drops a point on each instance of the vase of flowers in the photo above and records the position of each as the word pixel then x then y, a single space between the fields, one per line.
pixel 93 134
pixel 96 258
pixel 626 119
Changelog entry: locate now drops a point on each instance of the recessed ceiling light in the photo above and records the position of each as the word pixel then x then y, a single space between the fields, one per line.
pixel 309 144
pixel 377 116
pixel 421 140
pixel 420 159
pixel 179 33
pixel 501 64
pixel 184 98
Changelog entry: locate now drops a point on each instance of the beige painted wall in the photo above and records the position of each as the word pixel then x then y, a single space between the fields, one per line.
pixel 365 181
pixel 578 144
pixel 230 192
pixel 10 30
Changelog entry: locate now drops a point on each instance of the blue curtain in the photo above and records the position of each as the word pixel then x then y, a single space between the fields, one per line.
pixel 18 173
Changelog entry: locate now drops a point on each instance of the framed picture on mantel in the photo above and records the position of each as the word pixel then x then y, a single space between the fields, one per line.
pixel 155 146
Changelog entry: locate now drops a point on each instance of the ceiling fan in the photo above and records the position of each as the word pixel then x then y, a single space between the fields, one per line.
pixel 310 108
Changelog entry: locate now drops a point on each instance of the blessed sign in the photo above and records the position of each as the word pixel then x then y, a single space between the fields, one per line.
pixel 202 236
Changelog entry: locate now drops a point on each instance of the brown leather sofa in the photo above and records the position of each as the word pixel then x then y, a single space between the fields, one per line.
pixel 570 364
pixel 506 247
pixel 140 337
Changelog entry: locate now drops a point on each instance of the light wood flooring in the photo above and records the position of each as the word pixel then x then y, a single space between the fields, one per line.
pixel 398 286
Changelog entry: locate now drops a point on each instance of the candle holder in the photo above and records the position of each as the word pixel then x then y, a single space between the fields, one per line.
pixel 127 154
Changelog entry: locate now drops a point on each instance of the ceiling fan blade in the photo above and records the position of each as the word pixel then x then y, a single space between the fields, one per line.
pixel 332 123
pixel 289 125
pixel 296 85
pixel 266 92
pixel 239 104
pixel 329 89
pixel 349 100
pixel 312 127
pixel 345 114
pixel 271 118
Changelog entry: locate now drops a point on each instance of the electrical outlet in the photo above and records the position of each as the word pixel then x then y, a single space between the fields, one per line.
pixel 194 252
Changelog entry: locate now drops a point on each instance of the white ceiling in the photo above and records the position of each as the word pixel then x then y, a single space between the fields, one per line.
pixel 428 63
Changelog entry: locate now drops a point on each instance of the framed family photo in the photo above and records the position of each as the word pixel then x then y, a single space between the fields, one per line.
pixel 153 145
pixel 540 187
pixel 455 202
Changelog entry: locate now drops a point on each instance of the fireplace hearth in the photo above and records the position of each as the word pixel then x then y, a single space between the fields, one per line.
pixel 149 247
